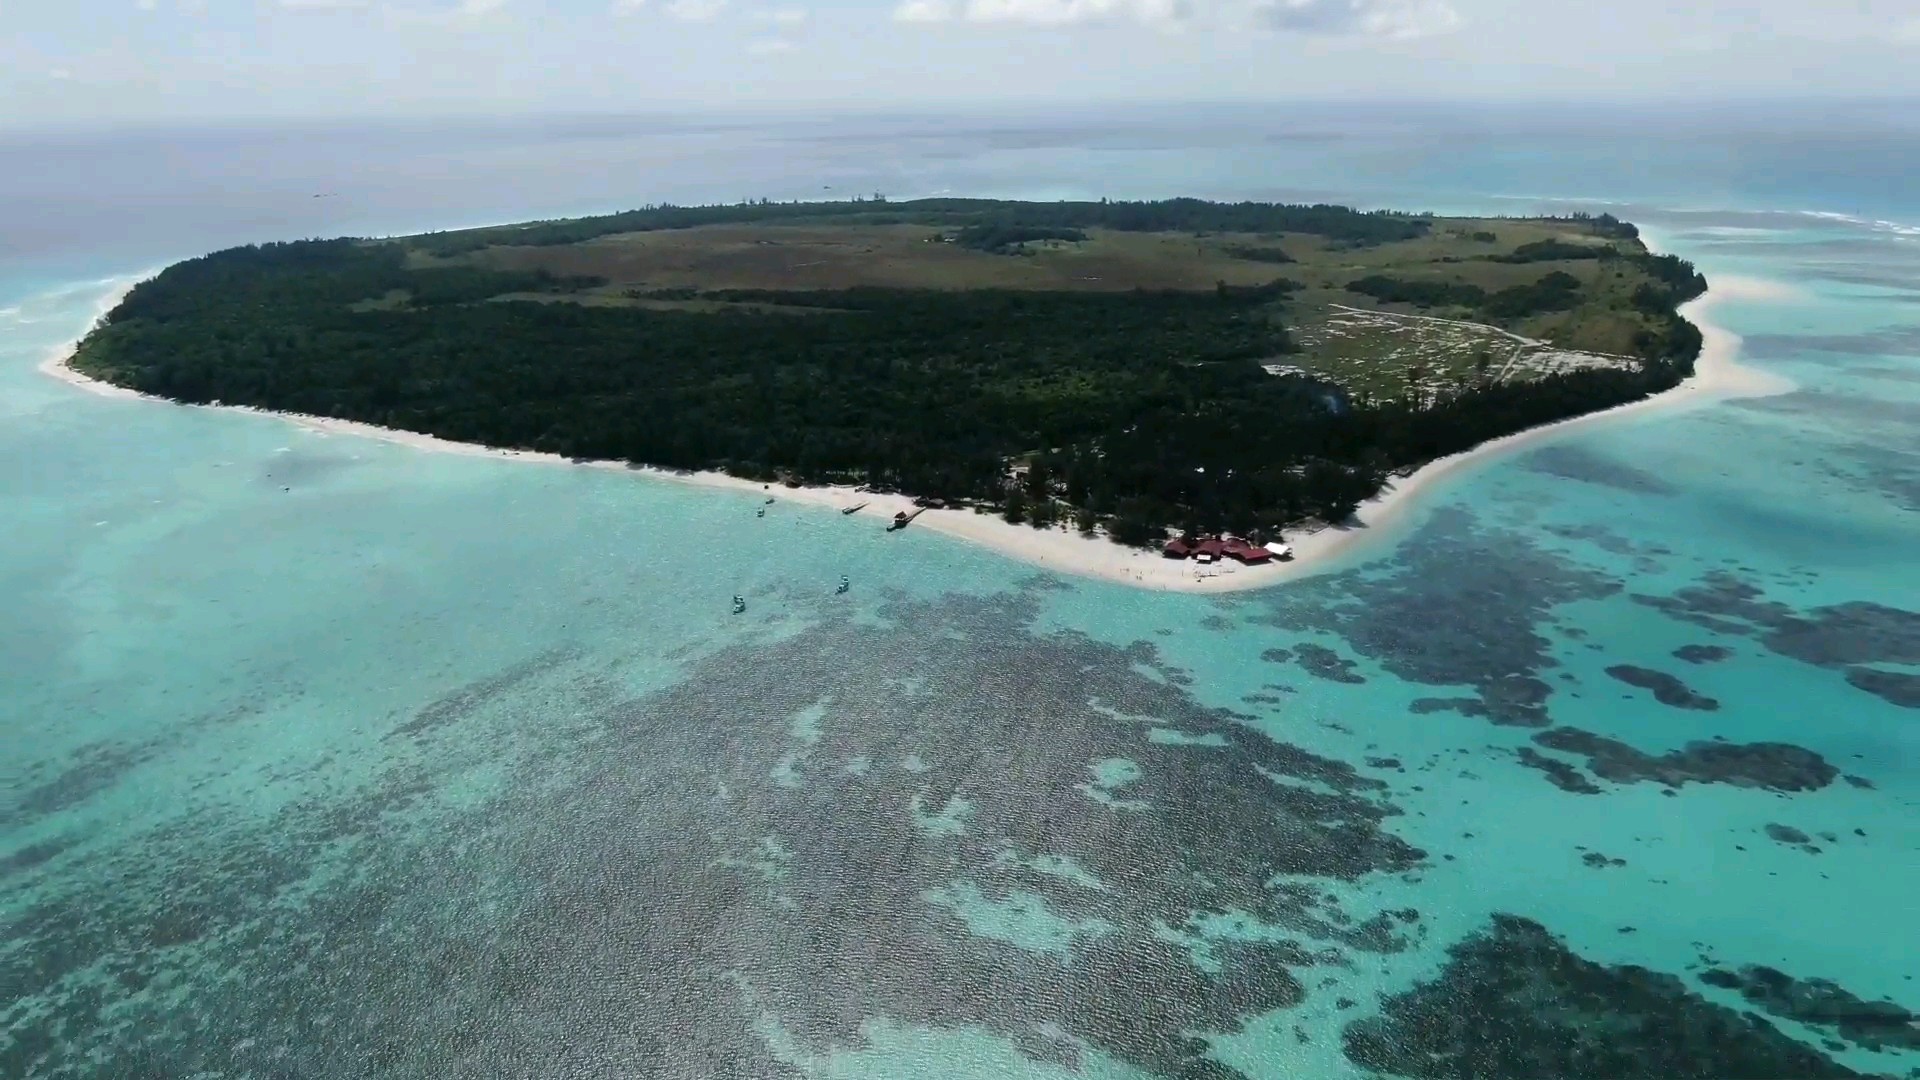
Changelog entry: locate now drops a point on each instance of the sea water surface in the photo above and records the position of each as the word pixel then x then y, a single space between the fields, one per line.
pixel 321 756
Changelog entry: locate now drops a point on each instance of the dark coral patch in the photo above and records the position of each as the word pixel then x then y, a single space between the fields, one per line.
pixel 1667 689
pixel 1465 706
pixel 35 854
pixel 1853 633
pixel 1702 654
pixel 1459 605
pixel 1323 662
pixel 657 881
pixel 1612 543
pixel 1899 340
pixel 1897 687
pixel 1789 836
pixel 1774 766
pixel 1823 1003
pixel 86 772
pixel 1562 775
pixel 1839 636
pixel 303 467
pixel 1571 462
pixel 461 703
pixel 1514 1003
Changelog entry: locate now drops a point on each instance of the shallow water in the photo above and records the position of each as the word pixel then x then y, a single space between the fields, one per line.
pixel 322 756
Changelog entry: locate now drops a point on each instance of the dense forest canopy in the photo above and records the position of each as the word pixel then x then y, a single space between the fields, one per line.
pixel 1130 410
pixel 1338 222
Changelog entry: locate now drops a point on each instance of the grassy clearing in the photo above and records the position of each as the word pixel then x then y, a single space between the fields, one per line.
pixel 1389 355
pixel 1386 349
pixel 802 257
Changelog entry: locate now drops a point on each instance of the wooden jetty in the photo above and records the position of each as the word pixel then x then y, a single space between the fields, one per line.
pixel 903 519
pixel 855 508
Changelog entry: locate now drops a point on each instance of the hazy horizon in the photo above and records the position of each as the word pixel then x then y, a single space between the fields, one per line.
pixel 93 62
pixel 142 190
pixel 1782 115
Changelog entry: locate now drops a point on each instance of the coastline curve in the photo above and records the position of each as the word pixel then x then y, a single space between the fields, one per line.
pixel 1718 376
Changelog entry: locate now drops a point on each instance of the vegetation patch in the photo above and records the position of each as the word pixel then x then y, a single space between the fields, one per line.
pixel 1139 366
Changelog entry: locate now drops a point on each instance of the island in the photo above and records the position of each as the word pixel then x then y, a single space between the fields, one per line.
pixel 1148 372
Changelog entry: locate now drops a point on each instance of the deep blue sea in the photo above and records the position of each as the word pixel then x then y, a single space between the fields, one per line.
pixel 324 757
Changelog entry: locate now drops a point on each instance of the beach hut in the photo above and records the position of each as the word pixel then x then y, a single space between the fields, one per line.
pixel 1177 549
pixel 1247 553
pixel 1279 550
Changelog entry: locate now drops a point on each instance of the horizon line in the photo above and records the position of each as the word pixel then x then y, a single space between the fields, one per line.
pixel 1005 109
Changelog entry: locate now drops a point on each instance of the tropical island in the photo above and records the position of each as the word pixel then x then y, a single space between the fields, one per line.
pixel 1132 370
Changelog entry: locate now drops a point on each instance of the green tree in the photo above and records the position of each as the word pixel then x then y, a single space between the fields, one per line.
pixel 1015 510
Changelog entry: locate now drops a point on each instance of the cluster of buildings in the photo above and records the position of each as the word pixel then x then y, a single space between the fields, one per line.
pixel 1214 548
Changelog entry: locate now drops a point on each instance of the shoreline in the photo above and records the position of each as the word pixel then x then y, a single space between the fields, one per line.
pixel 1717 376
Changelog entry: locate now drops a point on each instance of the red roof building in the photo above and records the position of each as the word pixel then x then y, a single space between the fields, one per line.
pixel 1212 548
pixel 1247 553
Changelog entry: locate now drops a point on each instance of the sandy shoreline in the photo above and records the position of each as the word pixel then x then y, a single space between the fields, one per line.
pixel 1718 375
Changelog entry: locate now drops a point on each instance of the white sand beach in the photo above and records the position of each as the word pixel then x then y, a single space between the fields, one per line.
pixel 1718 375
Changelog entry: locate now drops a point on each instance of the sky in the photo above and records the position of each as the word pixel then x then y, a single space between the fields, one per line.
pixel 104 62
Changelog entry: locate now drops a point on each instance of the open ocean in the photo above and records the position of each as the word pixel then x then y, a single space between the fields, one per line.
pixel 324 757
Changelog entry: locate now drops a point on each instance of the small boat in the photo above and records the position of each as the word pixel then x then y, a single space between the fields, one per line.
pixel 854 509
pixel 769 500
pixel 844 584
pixel 739 603
pixel 762 512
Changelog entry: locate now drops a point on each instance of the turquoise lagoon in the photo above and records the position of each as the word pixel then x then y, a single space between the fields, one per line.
pixel 321 756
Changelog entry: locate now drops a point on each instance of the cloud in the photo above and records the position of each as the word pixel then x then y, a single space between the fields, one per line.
pixel 319 5
pixel 60 74
pixel 1908 33
pixel 1399 20
pixel 784 16
pixel 627 7
pixel 1045 12
pixel 465 15
pixel 146 5
pixel 923 11
pixel 768 47
pixel 695 10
